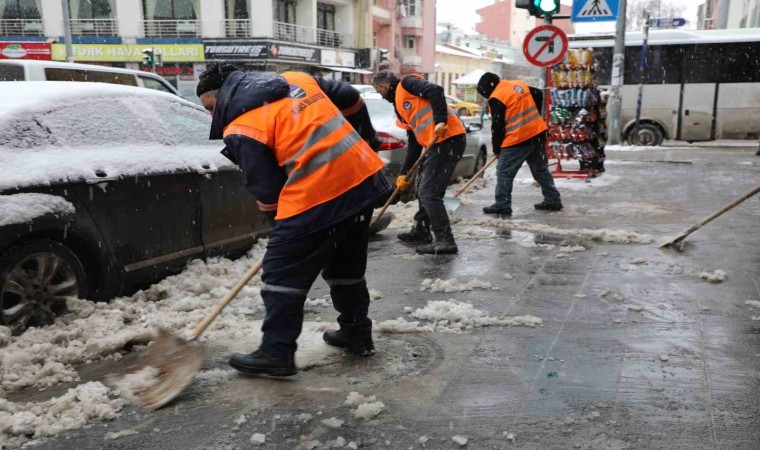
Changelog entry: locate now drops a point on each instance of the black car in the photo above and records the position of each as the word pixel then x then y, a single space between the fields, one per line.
pixel 106 189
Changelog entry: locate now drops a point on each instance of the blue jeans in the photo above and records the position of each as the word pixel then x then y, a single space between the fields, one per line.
pixel 510 161
pixel 340 254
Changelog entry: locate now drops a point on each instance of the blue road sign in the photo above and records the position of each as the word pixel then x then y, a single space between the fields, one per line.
pixel 595 10
pixel 667 23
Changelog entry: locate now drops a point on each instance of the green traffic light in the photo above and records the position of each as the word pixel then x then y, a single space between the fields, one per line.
pixel 546 6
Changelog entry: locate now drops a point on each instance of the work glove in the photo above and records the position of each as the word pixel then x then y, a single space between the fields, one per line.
pixel 440 130
pixel 496 151
pixel 374 142
pixel 402 183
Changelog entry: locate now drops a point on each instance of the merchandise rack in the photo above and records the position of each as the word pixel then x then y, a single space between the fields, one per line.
pixel 575 113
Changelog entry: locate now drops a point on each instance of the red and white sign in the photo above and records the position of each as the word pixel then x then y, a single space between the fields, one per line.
pixel 25 50
pixel 545 46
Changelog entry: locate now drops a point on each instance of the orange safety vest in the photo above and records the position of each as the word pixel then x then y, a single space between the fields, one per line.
pixel 417 115
pixel 523 119
pixel 321 153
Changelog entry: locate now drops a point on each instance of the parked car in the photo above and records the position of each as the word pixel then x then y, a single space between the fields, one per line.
pixel 394 148
pixel 362 88
pixel 106 189
pixel 32 70
pixel 462 107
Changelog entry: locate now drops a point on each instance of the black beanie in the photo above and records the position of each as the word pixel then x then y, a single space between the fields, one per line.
pixel 213 77
pixel 487 84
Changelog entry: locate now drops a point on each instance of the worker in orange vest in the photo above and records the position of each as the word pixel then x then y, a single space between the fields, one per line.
pixel 518 135
pixel 421 109
pixel 319 180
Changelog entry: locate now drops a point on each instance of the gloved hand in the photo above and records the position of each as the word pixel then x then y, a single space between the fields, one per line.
pixel 496 151
pixel 374 142
pixel 440 130
pixel 402 183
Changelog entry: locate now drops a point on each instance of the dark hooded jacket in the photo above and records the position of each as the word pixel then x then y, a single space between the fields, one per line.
pixel 264 177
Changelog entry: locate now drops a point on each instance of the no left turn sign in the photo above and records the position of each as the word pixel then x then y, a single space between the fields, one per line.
pixel 545 46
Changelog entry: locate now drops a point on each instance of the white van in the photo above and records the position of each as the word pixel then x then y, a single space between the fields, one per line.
pixel 29 70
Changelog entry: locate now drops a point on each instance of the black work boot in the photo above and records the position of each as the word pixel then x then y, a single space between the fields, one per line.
pixel 443 244
pixel 546 206
pixel 419 234
pixel 493 209
pixel 260 363
pixel 359 343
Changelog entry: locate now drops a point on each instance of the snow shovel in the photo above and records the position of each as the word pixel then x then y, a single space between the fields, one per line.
pixel 177 359
pixel 680 237
pixel 409 176
pixel 453 203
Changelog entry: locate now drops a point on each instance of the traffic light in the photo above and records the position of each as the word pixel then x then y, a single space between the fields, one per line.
pixel 539 8
pixel 383 52
pixel 148 56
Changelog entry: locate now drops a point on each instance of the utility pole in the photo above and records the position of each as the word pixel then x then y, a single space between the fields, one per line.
pixel 67 31
pixel 615 103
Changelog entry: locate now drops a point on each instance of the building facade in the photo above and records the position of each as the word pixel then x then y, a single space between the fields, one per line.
pixel 502 21
pixel 728 14
pixel 403 31
pixel 330 37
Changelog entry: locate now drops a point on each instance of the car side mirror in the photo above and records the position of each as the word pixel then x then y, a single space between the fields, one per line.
pixel 473 127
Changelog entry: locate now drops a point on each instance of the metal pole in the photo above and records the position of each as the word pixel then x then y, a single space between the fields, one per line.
pixel 67 31
pixel 642 71
pixel 615 103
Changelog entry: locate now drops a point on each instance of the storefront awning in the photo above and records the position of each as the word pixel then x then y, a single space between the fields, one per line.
pixel 347 69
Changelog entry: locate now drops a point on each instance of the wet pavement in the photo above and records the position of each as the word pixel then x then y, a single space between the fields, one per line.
pixel 631 354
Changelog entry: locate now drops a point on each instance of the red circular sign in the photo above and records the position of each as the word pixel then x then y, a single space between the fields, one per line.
pixel 545 46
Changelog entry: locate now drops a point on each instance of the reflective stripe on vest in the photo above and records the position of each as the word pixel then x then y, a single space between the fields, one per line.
pixel 420 117
pixel 322 155
pixel 524 121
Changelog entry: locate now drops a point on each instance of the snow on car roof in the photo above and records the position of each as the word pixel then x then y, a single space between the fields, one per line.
pixel 22 96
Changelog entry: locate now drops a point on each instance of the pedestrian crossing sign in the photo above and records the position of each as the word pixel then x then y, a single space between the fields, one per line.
pixel 595 10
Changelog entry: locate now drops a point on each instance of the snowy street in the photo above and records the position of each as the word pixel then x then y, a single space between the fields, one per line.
pixel 546 331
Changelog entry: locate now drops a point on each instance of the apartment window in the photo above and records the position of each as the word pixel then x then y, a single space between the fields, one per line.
pixel 325 16
pixel 411 7
pixel 374 39
pixel 171 9
pixel 22 9
pixel 285 11
pixel 409 42
pixel 236 9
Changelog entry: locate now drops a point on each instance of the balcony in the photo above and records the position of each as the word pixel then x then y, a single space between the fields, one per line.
pixel 381 13
pixel 171 28
pixel 21 27
pixel 410 58
pixel 94 27
pixel 306 35
pixel 412 22
pixel 237 28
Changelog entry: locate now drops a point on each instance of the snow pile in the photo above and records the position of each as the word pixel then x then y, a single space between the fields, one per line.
pixel 318 303
pixel 639 261
pixel 461 440
pixel 113 435
pixel 572 248
pixel 76 408
pixel 215 376
pixel 132 384
pixel 452 316
pixel 452 285
pixel 5 336
pixel 366 407
pixel 715 277
pixel 374 294
pixel 602 234
pixel 258 439
pixel 23 208
pixel 332 422
pixel 753 303
pixel 403 215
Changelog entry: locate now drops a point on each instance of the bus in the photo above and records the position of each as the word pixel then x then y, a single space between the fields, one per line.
pixel 699 85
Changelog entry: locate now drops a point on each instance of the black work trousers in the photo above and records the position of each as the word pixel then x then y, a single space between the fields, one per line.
pixel 433 178
pixel 340 254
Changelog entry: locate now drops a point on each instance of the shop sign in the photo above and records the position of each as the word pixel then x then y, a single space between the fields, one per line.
pixel 129 52
pixel 337 58
pixel 25 50
pixel 171 70
pixel 262 50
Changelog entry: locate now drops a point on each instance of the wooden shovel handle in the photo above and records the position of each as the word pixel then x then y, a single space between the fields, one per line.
pixel 475 177
pixel 715 215
pixel 409 177
pixel 201 327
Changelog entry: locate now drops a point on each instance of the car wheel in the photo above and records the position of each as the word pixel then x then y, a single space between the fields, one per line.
pixel 36 278
pixel 480 161
pixel 462 112
pixel 646 135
